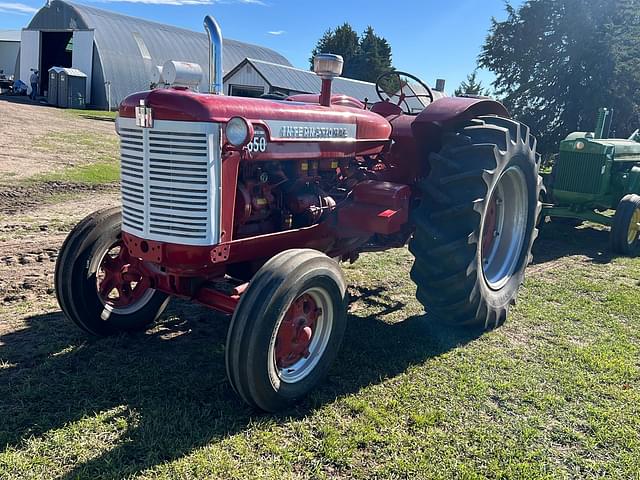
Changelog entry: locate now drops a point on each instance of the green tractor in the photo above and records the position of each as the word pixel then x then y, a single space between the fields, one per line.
pixel 594 174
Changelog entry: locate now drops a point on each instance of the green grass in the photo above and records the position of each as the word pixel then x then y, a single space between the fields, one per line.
pixel 83 147
pixel 555 393
pixel 92 174
pixel 95 157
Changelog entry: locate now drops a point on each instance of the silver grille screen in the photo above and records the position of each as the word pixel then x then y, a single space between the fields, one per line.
pixel 170 178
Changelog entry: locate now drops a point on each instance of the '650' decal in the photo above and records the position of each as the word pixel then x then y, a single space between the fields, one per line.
pixel 259 143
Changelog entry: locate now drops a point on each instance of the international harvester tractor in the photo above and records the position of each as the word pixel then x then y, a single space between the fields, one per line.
pixel 247 206
pixel 594 174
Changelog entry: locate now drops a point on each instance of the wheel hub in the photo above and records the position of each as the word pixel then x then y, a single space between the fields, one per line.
pixel 634 227
pixel 504 228
pixel 120 278
pixel 490 232
pixel 296 331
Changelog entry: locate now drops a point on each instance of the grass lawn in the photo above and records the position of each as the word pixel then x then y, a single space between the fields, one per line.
pixel 97 157
pixel 555 393
pixel 90 174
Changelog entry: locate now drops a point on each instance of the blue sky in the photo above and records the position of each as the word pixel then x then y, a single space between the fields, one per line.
pixel 432 39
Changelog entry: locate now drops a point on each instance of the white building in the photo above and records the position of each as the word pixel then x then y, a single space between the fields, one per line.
pixel 9 51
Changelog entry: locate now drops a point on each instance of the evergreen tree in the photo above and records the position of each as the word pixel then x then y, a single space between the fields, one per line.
pixel 374 57
pixel 558 61
pixel 471 86
pixel 365 58
pixel 341 41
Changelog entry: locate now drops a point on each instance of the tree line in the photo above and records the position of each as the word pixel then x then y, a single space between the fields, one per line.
pixel 555 63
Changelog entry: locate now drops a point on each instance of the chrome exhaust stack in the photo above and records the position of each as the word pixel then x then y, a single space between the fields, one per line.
pixel 215 55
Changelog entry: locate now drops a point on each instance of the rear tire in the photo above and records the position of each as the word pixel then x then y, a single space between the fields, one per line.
pixel 476 223
pixel 625 233
pixel 83 256
pixel 279 345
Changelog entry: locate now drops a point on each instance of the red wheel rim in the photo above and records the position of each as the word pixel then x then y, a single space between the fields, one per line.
pixel 296 331
pixel 121 282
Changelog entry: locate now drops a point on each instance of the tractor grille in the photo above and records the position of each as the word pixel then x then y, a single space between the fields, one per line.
pixel 169 181
pixel 579 172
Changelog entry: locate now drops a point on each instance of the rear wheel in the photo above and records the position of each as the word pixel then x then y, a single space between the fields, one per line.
pixel 625 232
pixel 287 329
pixel 99 286
pixel 476 223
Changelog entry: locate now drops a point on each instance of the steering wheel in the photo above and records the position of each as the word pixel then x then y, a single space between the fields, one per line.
pixel 401 89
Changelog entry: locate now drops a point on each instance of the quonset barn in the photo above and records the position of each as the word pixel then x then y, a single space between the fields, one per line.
pixel 117 49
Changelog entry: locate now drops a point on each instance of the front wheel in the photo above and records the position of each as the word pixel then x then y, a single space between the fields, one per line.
pixel 287 329
pixel 625 231
pixel 476 223
pixel 99 286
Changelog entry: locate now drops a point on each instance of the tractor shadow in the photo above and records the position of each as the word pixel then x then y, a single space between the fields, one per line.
pixel 170 383
pixel 558 240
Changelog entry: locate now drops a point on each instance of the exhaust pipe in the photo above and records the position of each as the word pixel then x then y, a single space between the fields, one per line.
pixel 215 55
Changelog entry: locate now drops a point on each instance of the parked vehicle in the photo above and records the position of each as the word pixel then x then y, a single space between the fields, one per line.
pixel 247 206
pixel 593 174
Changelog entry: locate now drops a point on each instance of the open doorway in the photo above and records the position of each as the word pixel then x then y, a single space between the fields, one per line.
pixel 56 51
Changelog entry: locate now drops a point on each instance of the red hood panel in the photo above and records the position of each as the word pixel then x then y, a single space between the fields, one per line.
pixel 184 105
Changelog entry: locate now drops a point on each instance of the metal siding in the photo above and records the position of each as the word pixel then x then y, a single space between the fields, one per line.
pixel 295 79
pixel 10 36
pixel 118 52
pixel 29 55
pixel 247 76
pixel 8 56
pixel 82 57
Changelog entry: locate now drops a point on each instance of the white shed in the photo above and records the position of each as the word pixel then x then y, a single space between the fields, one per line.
pixel 9 51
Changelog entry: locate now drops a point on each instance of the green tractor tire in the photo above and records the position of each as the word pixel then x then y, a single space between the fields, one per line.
pixel 625 232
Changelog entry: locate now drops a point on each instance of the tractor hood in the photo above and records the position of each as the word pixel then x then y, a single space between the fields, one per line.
pixel 301 120
pixel 621 149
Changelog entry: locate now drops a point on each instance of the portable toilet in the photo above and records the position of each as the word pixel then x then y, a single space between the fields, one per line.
pixel 52 93
pixel 72 87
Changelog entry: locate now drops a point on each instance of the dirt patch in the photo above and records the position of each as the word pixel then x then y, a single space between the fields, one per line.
pixel 29 245
pixel 36 139
pixel 22 198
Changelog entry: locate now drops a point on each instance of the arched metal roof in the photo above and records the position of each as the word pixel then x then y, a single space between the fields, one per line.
pixel 126 49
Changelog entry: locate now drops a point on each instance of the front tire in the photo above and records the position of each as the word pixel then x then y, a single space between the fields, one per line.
pixel 476 223
pixel 98 285
pixel 287 329
pixel 625 231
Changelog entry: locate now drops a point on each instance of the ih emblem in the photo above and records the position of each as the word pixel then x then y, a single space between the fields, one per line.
pixel 144 116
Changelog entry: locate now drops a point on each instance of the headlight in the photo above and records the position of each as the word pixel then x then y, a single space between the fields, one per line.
pixel 239 132
pixel 579 145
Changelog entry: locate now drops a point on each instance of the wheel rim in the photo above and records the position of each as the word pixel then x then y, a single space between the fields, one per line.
pixel 121 284
pixel 504 228
pixel 302 335
pixel 634 227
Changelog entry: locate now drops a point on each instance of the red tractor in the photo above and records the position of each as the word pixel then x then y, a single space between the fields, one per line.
pixel 247 206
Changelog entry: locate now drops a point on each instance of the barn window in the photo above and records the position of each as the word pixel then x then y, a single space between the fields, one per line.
pixel 245 91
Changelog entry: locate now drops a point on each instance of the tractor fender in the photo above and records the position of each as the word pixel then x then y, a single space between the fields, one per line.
pixel 633 184
pixel 453 109
pixel 444 113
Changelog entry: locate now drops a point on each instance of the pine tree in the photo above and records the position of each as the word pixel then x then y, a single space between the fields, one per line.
pixel 557 61
pixel 341 41
pixel 374 57
pixel 471 86
pixel 365 58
